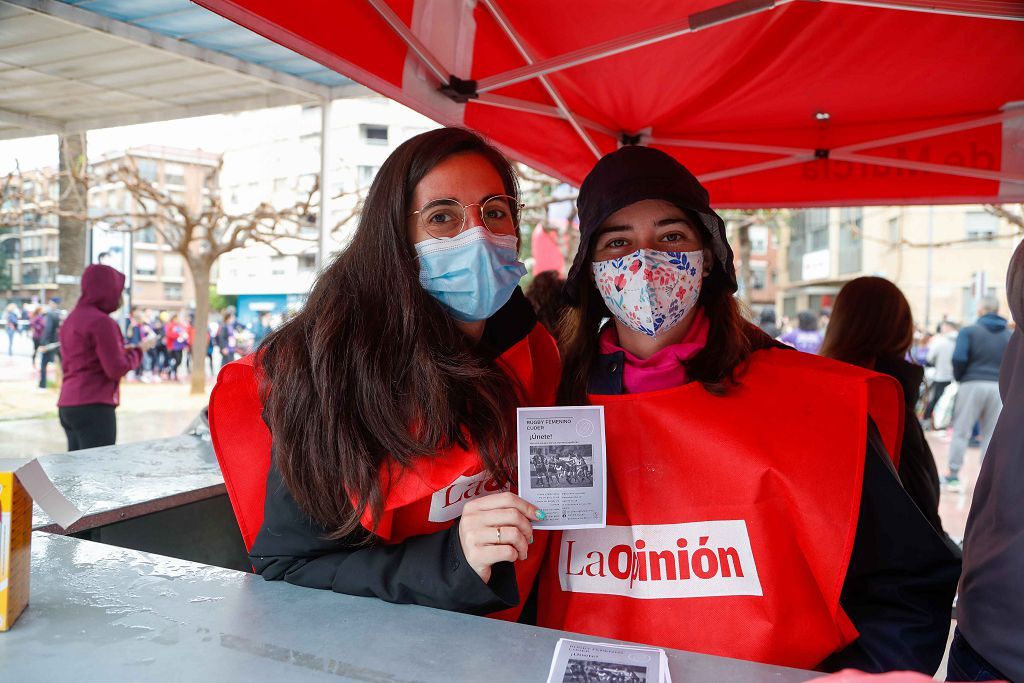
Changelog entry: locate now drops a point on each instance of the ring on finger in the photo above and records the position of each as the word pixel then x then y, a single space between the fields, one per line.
pixel 498 529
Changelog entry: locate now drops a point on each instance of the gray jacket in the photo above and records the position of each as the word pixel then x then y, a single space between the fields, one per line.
pixel 979 349
pixel 991 606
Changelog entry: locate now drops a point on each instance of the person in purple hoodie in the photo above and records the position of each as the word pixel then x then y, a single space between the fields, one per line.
pixel 95 358
pixel 807 337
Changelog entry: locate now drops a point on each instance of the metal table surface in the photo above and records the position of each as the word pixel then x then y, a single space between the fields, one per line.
pixel 115 483
pixel 100 613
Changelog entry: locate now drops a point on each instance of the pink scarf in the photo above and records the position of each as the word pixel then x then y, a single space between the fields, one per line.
pixel 664 369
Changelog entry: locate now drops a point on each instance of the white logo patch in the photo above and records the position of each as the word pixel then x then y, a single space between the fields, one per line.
pixel 648 562
pixel 447 504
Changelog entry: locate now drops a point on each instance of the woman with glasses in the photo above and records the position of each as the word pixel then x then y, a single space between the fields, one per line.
pixel 390 399
pixel 753 508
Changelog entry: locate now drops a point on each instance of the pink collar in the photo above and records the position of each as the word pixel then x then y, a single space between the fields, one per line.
pixel 665 368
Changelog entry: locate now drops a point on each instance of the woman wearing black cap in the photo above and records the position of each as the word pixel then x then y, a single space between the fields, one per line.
pixel 798 549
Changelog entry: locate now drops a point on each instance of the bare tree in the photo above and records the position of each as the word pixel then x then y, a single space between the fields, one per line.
pixel 203 234
pixel 739 222
pixel 541 192
pixel 1014 215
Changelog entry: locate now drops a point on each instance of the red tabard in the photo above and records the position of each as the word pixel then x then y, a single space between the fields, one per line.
pixel 730 519
pixel 423 499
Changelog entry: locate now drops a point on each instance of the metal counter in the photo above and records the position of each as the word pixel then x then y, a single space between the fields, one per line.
pixel 101 613
pixel 165 496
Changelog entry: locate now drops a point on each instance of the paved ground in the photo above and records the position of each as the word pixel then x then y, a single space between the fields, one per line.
pixel 28 418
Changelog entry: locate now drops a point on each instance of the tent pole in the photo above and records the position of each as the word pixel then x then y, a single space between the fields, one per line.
pixel 506 27
pixel 755 168
pixel 963 171
pixel 933 132
pixel 1002 16
pixel 729 146
pixel 410 39
pixel 695 22
pixel 928 280
pixel 325 187
pixel 538 108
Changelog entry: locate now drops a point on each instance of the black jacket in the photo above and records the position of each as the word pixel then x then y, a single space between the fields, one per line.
pixel 917 468
pixel 428 570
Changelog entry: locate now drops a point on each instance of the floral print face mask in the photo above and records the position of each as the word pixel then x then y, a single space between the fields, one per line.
pixel 650 291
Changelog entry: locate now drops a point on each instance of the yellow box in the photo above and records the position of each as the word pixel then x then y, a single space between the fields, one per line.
pixel 15 548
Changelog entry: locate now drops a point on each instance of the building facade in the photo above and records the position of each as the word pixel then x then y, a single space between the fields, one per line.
pixel 156 276
pixel 280 166
pixel 29 235
pixel 943 258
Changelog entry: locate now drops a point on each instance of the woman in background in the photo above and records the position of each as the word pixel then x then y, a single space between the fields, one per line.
pixel 872 327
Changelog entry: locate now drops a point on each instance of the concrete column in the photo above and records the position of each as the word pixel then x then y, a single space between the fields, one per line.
pixel 73 199
pixel 325 184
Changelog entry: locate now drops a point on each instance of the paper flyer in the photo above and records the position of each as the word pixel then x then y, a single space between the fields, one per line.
pixel 576 661
pixel 562 465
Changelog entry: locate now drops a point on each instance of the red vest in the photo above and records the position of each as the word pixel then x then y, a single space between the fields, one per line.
pixel 730 519
pixel 421 500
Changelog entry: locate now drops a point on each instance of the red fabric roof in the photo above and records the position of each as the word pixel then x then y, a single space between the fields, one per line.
pixel 800 104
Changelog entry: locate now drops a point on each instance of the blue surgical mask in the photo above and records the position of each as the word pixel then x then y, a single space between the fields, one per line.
pixel 472 274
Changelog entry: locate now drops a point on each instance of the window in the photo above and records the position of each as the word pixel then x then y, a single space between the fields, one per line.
pixel 145 265
pixel 307 263
pixel 758 273
pixel 147 169
pixel 373 134
pixel 851 228
pixel 146 235
pixel 173 265
pixel 172 291
pixel 365 175
pixel 817 229
pixel 981 225
pixel 174 174
pixel 277 265
pixel 31 246
pixel 758 240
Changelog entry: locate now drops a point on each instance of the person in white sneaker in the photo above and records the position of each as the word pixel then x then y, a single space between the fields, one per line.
pixel 976 360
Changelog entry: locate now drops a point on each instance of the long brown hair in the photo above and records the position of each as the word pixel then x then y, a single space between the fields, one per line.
pixel 373 368
pixel 870 319
pixel 731 339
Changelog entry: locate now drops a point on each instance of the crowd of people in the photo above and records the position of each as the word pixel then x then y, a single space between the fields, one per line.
pixel 171 356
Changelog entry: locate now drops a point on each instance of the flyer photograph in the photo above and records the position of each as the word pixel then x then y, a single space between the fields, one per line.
pixel 562 465
pixel 576 661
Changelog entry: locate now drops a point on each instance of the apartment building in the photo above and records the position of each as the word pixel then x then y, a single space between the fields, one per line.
pixel 279 166
pixel 943 258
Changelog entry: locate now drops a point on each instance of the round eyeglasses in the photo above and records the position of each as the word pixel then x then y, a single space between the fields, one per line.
pixel 446 218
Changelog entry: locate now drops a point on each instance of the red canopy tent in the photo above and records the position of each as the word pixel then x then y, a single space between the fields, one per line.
pixel 786 103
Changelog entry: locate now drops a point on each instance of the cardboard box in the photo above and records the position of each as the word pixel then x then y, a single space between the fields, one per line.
pixel 20 481
pixel 15 547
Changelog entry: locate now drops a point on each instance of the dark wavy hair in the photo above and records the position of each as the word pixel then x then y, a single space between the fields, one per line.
pixel 870 319
pixel 545 295
pixel 731 338
pixel 373 369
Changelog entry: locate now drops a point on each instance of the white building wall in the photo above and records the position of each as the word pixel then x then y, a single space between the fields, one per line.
pixel 281 165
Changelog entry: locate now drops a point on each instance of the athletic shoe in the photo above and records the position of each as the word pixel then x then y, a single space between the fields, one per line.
pixel 951 482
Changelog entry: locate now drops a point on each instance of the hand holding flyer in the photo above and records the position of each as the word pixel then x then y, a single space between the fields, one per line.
pixel 562 465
